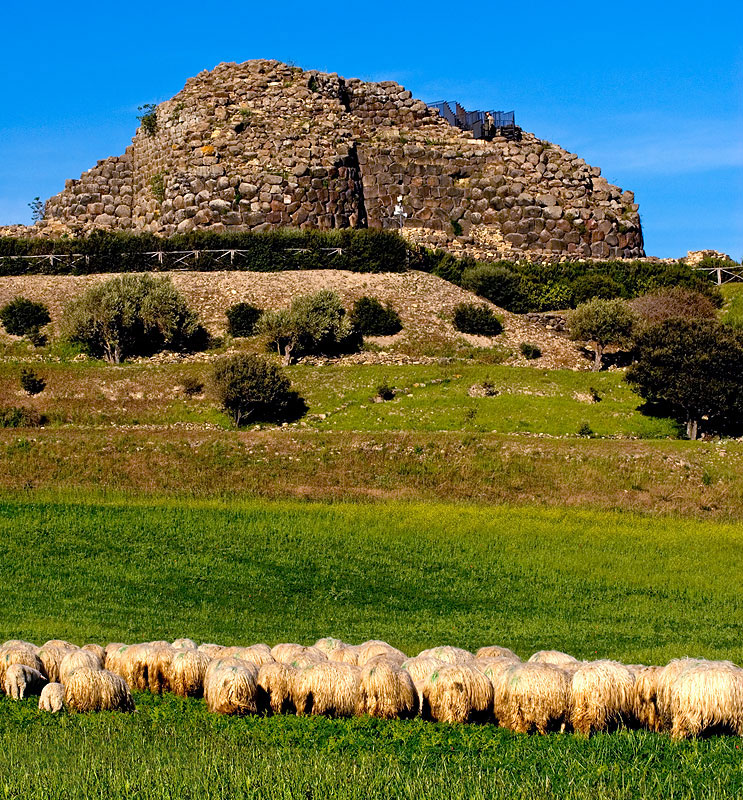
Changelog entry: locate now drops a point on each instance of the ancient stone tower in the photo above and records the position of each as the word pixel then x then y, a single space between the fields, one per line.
pixel 261 144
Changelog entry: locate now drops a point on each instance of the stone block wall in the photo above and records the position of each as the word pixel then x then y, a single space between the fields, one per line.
pixel 262 144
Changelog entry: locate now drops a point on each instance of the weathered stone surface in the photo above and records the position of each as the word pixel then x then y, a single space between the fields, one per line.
pixel 262 144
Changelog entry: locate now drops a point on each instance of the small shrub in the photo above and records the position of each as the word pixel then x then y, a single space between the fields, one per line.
pixel 497 283
pixel 38 209
pixel 250 387
pixel 148 118
pixel 17 417
pixel 585 430
pixel 385 391
pixel 192 386
pixel 529 350
pixel 242 319
pixel 371 318
pixel 595 395
pixel 594 284
pixel 469 318
pixel 157 186
pixel 31 383
pixel 23 317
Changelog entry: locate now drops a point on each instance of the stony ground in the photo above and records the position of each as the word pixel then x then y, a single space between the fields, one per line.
pixel 423 301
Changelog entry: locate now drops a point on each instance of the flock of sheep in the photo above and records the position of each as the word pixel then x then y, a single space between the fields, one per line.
pixel 552 691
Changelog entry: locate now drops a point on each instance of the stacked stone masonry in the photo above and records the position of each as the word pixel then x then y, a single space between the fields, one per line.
pixel 261 145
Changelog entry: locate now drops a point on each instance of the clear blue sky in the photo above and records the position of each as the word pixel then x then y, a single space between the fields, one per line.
pixel 651 92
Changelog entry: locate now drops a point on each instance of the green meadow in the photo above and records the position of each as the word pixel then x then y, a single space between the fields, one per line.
pixel 619 585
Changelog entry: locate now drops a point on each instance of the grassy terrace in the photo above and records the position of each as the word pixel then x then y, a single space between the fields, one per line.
pixel 627 586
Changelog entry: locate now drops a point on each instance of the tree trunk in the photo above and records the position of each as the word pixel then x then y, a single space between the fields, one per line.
pixel 691 429
pixel 598 355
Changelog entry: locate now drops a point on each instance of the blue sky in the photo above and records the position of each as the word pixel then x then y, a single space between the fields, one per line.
pixel 652 93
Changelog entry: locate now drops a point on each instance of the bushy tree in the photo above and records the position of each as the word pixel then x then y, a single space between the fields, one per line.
pixel 695 367
pixel 602 322
pixel 497 283
pixel 242 319
pixel 469 318
pixel 24 317
pixel 31 383
pixel 250 387
pixel 315 324
pixel 133 315
pixel 675 301
pixel 371 318
pixel 594 284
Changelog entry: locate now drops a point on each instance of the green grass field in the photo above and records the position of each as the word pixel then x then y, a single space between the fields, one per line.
pixel 732 310
pixel 341 397
pixel 626 586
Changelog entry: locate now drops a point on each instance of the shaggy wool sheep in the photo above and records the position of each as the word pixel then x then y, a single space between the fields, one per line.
pixel 12 643
pixel 186 672
pixel 52 655
pixel 374 647
pixel 328 688
pixel 19 654
pixel 116 660
pixel 231 690
pixel 496 651
pixel 188 644
pixel 531 697
pixel 665 678
pixel 645 707
pixel 387 691
pixel 328 644
pixel 223 663
pixel 143 666
pixel 556 657
pixel 257 654
pixel 448 654
pixel 111 646
pixel 97 651
pixel 603 695
pixel 212 650
pixel 345 655
pixel 457 693
pixel 276 688
pixel 22 681
pixel 97 690
pixel 420 668
pixel 51 698
pixel 77 659
pixel 707 699
pixel 297 655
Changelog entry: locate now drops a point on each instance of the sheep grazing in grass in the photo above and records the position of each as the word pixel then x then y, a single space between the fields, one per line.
pixel 97 651
pixel 457 693
pixel 276 688
pixel 556 657
pixel 374 648
pixel 144 666
pixel 212 650
pixel 19 654
pixel 52 698
pixel 184 644
pixel 420 668
pixel 328 688
pixel 496 651
pixel 13 643
pixel 646 712
pixel 345 655
pixel 231 689
pixel 603 697
pixel 707 699
pixel 223 663
pixel 76 660
pixel 186 672
pixel 297 655
pixel 97 690
pixel 116 660
pixel 52 654
pixel 448 654
pixel 665 678
pixel 257 654
pixel 328 644
pixel 387 691
pixel 22 681
pixel 531 697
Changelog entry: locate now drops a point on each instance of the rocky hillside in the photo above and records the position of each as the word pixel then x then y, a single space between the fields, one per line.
pixel 262 144
pixel 424 302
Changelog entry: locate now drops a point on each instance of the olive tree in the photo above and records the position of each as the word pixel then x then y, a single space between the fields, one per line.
pixel 132 315
pixel 602 322
pixel 693 366
pixel 315 324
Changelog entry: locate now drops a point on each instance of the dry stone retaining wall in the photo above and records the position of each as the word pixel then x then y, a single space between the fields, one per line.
pixel 260 145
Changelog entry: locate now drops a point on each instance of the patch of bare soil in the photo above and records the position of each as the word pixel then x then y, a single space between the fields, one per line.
pixel 424 302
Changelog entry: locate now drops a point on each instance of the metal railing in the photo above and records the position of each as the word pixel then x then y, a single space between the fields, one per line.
pixel 481 123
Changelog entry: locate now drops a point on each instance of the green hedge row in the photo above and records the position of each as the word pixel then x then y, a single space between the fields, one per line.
pixel 274 251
